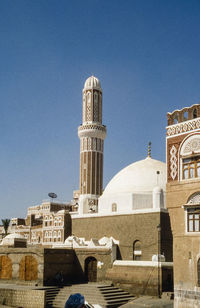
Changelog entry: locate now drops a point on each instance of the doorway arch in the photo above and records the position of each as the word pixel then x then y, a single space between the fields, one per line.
pixel 91 269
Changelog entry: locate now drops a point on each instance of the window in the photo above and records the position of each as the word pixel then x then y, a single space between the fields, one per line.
pixel 193 220
pixel 59 235
pixel 137 252
pixel 114 207
pixel 191 167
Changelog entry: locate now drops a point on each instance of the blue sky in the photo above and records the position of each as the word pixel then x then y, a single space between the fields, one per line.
pixel 146 55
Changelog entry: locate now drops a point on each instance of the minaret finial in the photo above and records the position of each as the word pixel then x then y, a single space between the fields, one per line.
pixel 149 149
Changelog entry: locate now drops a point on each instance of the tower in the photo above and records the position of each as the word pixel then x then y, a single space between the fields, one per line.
pixel 92 134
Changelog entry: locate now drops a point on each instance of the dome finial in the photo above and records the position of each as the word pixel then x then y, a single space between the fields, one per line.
pixel 149 149
pixel 92 83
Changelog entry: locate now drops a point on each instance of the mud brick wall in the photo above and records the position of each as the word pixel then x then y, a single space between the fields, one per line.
pixel 143 280
pixel 22 298
pixel 127 229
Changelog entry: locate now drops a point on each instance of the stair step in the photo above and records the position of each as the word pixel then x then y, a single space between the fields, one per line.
pixel 105 295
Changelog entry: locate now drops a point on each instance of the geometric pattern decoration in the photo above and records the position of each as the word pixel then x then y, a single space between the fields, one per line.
pixel 183 127
pixel 91 144
pixel 192 146
pixel 195 199
pixel 173 162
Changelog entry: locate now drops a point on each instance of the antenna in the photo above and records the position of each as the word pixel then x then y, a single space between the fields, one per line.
pixel 52 195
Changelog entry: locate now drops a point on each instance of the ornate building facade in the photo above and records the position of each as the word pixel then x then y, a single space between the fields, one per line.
pixel 183 202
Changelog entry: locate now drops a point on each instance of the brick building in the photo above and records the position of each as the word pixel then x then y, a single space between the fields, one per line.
pixel 45 224
pixel 183 202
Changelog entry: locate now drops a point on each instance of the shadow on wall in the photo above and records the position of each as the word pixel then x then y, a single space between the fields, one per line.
pixel 62 267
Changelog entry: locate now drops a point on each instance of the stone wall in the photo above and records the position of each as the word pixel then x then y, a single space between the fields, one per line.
pixel 127 229
pixel 22 265
pixel 142 280
pixel 22 298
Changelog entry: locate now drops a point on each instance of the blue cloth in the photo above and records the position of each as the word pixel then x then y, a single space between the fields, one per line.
pixel 75 301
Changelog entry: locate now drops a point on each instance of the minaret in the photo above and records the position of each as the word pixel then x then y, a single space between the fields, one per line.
pixel 92 134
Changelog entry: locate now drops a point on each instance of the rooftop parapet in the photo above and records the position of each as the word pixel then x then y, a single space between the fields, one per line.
pixel 185 114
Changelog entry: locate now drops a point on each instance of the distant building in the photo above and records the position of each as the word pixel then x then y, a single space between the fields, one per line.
pixel 45 224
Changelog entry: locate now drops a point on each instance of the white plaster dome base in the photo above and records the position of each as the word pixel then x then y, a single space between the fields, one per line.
pixel 10 239
pixel 134 186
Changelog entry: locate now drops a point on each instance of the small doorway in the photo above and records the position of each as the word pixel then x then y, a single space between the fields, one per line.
pixel 91 269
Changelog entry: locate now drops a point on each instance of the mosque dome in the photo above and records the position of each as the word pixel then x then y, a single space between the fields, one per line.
pixel 92 83
pixel 139 186
pixel 141 176
pixel 10 239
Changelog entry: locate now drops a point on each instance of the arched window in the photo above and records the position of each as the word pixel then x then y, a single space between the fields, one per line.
pixel 190 158
pixel 51 218
pixel 198 273
pixel 114 207
pixel 193 213
pixel 137 251
pixel 59 235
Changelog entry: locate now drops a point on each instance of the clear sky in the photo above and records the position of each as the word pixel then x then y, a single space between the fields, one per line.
pixel 145 53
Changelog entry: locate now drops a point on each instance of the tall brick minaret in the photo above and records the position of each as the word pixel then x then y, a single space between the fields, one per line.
pixel 92 134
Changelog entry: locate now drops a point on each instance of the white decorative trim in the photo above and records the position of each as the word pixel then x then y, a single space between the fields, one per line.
pixel 91 144
pixel 173 162
pixel 92 130
pixel 142 263
pixel 183 127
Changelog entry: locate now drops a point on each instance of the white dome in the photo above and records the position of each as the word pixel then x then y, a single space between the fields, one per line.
pixel 92 83
pixel 11 238
pixel 141 176
pixel 14 236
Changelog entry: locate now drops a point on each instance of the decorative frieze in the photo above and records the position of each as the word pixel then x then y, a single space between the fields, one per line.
pixel 91 144
pixel 183 127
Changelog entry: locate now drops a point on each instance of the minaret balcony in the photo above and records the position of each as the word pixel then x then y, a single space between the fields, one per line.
pixel 92 130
